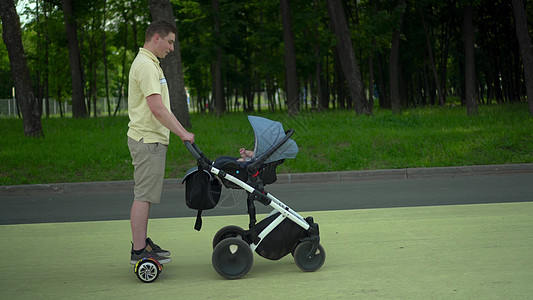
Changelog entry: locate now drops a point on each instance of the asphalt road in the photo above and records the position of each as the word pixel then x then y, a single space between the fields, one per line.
pixel 112 201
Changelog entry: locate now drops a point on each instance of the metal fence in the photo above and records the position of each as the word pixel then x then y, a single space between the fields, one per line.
pixel 9 108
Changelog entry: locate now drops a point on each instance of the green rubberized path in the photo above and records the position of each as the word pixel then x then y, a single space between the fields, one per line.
pixel 481 251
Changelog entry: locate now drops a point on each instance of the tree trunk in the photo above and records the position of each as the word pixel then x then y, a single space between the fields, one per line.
pixel 346 55
pixel 371 86
pixel 445 46
pixel 394 67
pixel 79 109
pixel 93 82
pixel 470 68
pixel 104 57
pixel 172 65
pixel 291 77
pixel 442 100
pixel 124 55
pixel 217 76
pixel 20 73
pixel 323 100
pixel 257 88
pixel 524 41
pixel 383 96
pixel 46 63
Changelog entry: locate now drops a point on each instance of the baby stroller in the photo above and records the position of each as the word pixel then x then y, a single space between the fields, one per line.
pixel 282 232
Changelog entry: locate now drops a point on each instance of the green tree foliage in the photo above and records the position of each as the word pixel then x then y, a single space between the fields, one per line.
pixel 248 43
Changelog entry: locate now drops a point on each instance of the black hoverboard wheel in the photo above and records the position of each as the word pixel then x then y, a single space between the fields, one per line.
pixel 148 269
pixel 232 258
pixel 306 260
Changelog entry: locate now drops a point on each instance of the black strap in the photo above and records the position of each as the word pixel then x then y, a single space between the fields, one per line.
pixel 198 223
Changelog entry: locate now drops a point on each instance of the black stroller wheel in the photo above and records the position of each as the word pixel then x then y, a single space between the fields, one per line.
pixel 232 258
pixel 227 232
pixel 306 261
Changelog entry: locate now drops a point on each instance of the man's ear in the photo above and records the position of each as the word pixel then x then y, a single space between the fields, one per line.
pixel 156 37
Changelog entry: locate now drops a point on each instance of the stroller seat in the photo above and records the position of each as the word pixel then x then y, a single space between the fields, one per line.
pixel 239 169
pixel 272 146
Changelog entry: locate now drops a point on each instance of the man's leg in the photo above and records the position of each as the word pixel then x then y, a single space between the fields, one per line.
pixel 140 211
pixel 149 162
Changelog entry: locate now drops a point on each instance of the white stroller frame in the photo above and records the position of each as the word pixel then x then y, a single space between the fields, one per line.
pixel 276 204
pixel 232 256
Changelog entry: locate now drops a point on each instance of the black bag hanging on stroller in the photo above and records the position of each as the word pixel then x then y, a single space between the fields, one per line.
pixel 202 192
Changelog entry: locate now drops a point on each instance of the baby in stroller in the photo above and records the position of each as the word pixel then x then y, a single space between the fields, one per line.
pixel 283 231
pixel 246 155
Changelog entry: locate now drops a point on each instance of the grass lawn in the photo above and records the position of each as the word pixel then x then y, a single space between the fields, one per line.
pixel 79 150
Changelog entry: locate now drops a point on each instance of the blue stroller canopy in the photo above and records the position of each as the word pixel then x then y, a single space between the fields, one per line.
pixel 268 134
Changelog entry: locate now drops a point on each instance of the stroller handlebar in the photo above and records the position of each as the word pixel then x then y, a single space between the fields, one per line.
pixel 195 151
pixel 203 162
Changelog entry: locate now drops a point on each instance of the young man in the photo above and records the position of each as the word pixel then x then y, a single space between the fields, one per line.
pixel 151 122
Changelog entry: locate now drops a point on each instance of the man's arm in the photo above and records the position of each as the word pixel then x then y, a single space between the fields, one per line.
pixel 167 119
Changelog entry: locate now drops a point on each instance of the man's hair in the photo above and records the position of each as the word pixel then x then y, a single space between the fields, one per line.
pixel 163 28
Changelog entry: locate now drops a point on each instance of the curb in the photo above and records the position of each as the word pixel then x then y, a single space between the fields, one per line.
pixel 407 173
pixel 314 177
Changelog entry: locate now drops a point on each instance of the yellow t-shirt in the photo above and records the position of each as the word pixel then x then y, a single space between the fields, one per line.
pixel 146 78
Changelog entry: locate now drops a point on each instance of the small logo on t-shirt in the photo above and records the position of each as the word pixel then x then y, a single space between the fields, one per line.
pixel 163 81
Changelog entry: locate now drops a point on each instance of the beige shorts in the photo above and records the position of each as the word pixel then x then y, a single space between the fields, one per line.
pixel 149 172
